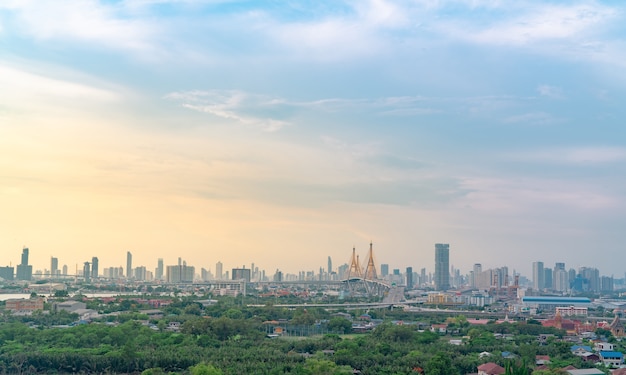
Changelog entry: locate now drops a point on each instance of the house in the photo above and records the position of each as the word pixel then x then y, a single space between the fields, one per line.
pixel 590 357
pixel 584 371
pixel 542 360
pixel 439 328
pixel 612 358
pixel 579 350
pixel 490 368
pixel 603 346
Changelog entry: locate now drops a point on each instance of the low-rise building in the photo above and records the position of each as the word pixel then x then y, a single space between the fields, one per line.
pixel 23 304
pixel 490 368
pixel 612 358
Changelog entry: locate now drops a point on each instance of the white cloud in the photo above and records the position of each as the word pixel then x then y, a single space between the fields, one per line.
pixel 87 21
pixel 543 22
pixel 233 105
pixel 34 91
pixel 550 91
pixel 574 155
pixel 534 118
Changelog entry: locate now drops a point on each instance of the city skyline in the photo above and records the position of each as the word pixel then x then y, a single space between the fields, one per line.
pixel 285 133
pixel 441 265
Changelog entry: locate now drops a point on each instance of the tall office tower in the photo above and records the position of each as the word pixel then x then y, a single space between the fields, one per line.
pixel 442 266
pixel 606 284
pixel 24 270
pixel 140 273
pixel 558 266
pixel 572 275
pixel 409 277
pixel 218 271
pixel 477 270
pixel 423 279
pixel 384 270
pixel 330 265
pixel 538 276
pixel 54 266
pixel 547 278
pixel 159 269
pixel 593 277
pixel 94 268
pixel 129 265
pixel 86 275
pixel 560 280
pixel 65 270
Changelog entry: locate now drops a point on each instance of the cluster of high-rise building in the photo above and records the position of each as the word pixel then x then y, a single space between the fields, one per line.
pixel 558 279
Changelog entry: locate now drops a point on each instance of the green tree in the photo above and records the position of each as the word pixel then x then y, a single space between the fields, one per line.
pixel 440 364
pixel 204 369
pixel 340 324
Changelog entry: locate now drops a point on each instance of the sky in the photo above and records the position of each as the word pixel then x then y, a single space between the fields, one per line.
pixel 284 132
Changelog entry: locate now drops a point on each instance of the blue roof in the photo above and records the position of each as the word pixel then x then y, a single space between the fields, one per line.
pixel 609 354
pixel 585 347
pixel 556 300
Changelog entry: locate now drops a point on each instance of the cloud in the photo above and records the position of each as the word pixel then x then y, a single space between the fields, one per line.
pixel 543 23
pixel 534 118
pixel 86 21
pixel 34 91
pixel 550 91
pixel 234 105
pixel 536 196
pixel 574 155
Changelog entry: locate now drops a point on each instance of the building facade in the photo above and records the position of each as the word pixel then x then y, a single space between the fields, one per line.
pixel 442 266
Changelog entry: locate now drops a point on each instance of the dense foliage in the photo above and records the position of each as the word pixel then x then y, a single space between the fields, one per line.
pixel 227 339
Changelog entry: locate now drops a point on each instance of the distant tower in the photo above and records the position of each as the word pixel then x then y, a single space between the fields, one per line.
pixel 538 276
pixel 442 266
pixel 86 275
pixel 159 270
pixel 24 270
pixel 65 270
pixel 94 267
pixel 384 270
pixel 330 265
pixel 409 277
pixel 129 265
pixel 370 270
pixel 54 267
pixel 218 270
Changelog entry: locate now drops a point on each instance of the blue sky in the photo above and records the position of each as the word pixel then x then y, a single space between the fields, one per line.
pixel 283 132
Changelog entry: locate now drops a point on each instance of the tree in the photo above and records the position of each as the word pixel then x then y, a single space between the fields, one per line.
pixel 340 324
pixel 440 364
pixel 204 369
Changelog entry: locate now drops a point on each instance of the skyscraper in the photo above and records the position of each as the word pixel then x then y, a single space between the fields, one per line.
pixel 24 270
pixel 330 266
pixel 442 266
pixel 94 268
pixel 409 277
pixel 538 276
pixel 218 271
pixel 159 269
pixel 129 265
pixel 86 275
pixel 54 267
pixel 384 270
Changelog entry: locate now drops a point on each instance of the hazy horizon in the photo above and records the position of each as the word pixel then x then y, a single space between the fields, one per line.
pixel 284 133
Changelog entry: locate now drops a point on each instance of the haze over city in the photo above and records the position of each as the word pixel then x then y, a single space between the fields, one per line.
pixel 284 133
